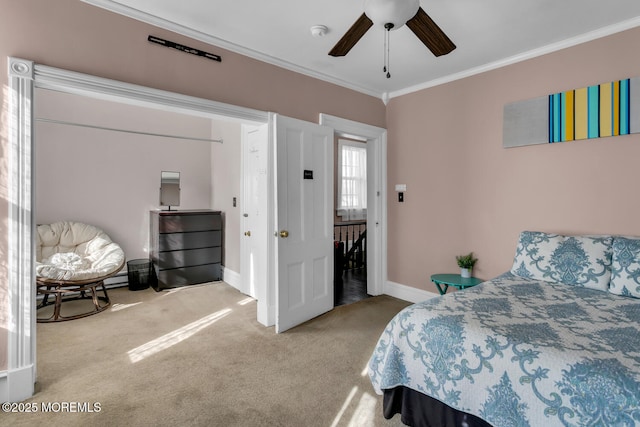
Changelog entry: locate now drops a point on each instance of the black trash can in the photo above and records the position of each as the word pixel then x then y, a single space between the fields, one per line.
pixel 140 274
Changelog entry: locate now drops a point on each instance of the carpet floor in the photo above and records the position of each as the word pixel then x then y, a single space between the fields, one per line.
pixel 197 356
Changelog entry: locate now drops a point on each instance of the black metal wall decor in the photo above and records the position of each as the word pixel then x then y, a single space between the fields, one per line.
pixel 184 48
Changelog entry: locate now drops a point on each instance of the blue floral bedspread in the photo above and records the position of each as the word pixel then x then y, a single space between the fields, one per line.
pixel 519 352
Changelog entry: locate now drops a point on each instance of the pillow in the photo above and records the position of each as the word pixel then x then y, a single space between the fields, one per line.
pixel 573 260
pixel 625 267
pixel 68 261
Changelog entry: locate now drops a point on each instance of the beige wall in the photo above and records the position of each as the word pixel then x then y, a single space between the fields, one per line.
pixel 72 35
pixel 111 179
pixel 466 193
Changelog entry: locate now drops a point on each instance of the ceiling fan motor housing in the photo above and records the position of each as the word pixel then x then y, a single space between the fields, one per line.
pixel 396 12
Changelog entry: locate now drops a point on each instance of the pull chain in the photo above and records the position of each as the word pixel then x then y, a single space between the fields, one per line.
pixel 385 52
pixel 387 69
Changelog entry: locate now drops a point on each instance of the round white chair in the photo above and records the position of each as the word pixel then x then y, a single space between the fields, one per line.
pixel 72 261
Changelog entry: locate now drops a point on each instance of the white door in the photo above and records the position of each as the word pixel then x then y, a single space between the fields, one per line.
pixel 304 248
pixel 254 224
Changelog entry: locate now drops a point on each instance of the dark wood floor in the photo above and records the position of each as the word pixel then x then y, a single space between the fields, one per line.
pixel 352 289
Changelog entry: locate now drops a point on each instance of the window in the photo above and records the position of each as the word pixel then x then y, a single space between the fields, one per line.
pixel 352 180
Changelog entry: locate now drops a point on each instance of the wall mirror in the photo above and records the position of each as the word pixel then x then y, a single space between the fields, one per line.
pixel 169 189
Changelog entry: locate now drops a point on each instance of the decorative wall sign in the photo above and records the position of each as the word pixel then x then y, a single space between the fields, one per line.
pixel 608 109
pixel 184 48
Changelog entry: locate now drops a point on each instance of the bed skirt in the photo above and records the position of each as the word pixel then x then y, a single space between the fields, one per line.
pixel 419 410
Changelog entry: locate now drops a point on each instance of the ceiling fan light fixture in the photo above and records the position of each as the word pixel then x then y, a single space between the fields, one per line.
pixel 396 12
pixel 391 15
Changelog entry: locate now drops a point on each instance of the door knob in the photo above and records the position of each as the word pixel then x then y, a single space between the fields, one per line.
pixel 247 233
pixel 284 234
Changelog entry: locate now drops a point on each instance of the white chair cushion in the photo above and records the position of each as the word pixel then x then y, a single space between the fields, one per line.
pixel 73 251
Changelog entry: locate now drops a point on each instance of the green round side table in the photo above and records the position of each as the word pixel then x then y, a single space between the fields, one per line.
pixel 443 281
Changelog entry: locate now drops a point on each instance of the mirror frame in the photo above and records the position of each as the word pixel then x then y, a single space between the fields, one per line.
pixel 169 189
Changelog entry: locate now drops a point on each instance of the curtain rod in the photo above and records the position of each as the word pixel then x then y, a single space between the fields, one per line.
pixel 62 122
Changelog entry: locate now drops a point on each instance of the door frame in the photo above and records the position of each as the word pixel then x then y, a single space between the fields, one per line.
pixel 376 139
pixel 24 76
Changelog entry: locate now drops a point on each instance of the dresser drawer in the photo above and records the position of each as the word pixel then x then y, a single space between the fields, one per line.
pixel 193 222
pixel 189 276
pixel 189 257
pixel 186 247
pixel 192 240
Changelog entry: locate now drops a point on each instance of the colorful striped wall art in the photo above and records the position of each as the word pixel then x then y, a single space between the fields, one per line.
pixel 604 110
pixel 592 112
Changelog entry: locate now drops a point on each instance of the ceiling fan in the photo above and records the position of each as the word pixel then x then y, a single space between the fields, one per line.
pixel 393 14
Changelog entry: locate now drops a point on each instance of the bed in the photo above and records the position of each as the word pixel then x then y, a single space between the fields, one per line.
pixel 553 342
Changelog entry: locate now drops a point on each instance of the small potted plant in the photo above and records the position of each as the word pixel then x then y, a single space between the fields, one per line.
pixel 466 263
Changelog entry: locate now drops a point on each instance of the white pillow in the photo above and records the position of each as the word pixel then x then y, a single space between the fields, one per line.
pixel 68 261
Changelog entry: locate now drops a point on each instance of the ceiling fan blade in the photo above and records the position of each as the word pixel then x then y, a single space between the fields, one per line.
pixel 430 34
pixel 352 36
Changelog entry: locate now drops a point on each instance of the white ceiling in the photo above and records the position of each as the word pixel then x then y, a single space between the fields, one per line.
pixel 488 34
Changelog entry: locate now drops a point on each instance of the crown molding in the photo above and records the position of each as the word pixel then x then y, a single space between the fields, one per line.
pixel 114 6
pixel 156 21
pixel 574 41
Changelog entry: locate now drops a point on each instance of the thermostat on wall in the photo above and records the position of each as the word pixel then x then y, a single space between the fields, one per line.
pixel 401 187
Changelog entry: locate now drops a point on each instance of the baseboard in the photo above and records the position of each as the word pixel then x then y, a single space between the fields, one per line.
pixel 121 279
pixel 231 277
pixel 407 293
pixel 4 387
pixel 403 292
pixel 17 385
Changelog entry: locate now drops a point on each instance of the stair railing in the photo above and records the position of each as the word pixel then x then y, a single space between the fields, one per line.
pixel 353 236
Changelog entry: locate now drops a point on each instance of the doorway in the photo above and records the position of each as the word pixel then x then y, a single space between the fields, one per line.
pixel 371 281
pixel 24 77
pixel 350 223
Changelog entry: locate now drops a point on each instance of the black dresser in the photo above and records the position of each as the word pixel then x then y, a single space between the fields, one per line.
pixel 186 247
